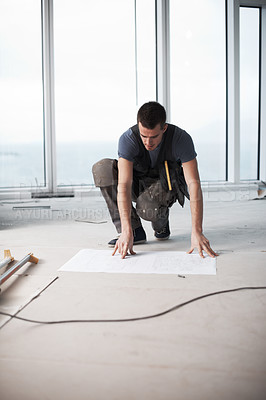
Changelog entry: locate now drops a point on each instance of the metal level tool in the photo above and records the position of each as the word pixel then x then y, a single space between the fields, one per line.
pixel 29 257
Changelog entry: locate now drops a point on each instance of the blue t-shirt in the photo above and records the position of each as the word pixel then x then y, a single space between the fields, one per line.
pixel 182 147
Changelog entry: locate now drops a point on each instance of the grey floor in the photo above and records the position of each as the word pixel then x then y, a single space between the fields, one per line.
pixel 210 349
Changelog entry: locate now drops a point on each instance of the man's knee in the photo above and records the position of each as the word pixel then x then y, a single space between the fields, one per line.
pixel 153 203
pixel 147 206
pixel 105 172
pixel 148 212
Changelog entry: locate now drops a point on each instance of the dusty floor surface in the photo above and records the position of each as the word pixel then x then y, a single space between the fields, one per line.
pixel 211 349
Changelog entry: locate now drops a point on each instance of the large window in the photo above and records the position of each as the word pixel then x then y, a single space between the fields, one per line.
pixel 249 91
pixel 21 99
pixel 74 73
pixel 95 87
pixel 198 79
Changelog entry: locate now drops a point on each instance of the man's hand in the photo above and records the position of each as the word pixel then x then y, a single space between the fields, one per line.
pixel 199 241
pixel 124 187
pixel 124 244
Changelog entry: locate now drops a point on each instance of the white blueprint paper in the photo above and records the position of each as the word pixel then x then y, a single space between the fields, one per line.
pixel 144 262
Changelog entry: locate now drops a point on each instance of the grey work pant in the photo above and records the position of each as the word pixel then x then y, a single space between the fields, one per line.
pixel 152 201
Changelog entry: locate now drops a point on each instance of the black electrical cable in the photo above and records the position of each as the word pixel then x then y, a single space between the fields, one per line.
pixel 136 318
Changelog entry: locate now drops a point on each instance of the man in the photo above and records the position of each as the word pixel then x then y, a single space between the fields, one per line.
pixel 157 164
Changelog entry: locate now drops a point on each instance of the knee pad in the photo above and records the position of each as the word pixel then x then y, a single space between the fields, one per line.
pixel 105 172
pixel 147 211
pixel 153 203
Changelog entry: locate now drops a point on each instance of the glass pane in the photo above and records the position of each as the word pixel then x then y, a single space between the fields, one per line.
pixel 198 79
pixel 249 91
pixel 146 51
pixel 95 86
pixel 21 103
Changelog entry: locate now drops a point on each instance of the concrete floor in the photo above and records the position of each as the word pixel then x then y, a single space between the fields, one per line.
pixel 210 349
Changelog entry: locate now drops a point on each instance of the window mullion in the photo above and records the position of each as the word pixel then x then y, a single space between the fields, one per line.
pixel 163 66
pixel 48 88
pixel 262 176
pixel 233 92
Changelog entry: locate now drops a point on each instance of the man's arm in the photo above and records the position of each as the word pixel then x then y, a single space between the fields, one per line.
pixel 125 174
pixel 198 240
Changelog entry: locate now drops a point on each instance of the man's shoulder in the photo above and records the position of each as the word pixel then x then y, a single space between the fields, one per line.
pixel 128 145
pixel 177 129
pixel 183 146
pixel 180 133
pixel 128 135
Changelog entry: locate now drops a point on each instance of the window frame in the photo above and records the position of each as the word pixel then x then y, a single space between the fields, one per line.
pixel 233 90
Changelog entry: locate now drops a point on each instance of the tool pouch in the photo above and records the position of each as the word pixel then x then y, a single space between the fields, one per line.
pixel 177 179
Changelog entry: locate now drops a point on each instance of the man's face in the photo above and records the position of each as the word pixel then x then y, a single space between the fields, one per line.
pixel 151 138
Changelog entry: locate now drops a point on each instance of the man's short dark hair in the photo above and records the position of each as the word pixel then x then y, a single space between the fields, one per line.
pixel 151 114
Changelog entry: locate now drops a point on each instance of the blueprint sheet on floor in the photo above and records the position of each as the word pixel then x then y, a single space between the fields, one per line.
pixel 144 262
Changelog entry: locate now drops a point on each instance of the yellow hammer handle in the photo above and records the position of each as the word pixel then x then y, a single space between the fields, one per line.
pixel 168 176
